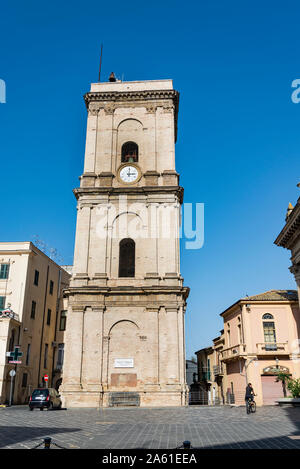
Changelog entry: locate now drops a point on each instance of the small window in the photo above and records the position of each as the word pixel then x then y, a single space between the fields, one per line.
pixel 11 341
pixel 48 317
pixel 127 258
pixel 63 321
pixel 36 277
pixel 51 287
pixel 4 271
pixel 33 308
pixel 2 302
pixel 28 355
pixel 208 369
pixel 24 380
pixel 60 356
pixel 130 153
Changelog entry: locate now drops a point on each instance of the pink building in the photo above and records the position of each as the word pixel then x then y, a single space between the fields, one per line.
pixel 261 336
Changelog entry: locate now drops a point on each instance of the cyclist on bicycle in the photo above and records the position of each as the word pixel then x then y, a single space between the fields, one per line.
pixel 249 393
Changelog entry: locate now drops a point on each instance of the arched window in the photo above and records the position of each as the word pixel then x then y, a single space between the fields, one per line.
pixel 268 316
pixel 130 153
pixel 127 258
pixel 269 332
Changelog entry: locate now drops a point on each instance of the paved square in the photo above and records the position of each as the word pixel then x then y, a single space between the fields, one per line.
pixel 205 427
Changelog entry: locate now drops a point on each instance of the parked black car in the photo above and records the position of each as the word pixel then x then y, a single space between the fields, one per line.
pixel 45 398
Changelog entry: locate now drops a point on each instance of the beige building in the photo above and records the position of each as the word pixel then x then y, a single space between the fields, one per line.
pixel 125 330
pixel 210 374
pixel 289 238
pixel 30 317
pixel 259 340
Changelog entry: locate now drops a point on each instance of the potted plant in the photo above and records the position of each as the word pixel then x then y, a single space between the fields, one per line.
pixel 293 385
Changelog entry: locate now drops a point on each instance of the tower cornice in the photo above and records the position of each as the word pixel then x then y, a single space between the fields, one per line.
pixel 289 234
pixel 128 290
pixel 145 190
pixel 123 97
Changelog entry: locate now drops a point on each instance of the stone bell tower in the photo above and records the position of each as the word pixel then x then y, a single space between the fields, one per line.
pixel 126 302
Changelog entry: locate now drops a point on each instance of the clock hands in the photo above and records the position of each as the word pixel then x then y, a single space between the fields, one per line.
pixel 129 174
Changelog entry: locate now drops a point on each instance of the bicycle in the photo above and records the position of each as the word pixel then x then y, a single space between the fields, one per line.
pixel 250 406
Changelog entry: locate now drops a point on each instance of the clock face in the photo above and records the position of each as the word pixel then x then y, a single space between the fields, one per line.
pixel 129 174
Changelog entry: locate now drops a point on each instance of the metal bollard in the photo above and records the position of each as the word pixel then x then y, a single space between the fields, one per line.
pixel 186 444
pixel 47 443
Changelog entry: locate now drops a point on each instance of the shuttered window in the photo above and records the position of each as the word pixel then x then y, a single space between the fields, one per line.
pixel 2 302
pixel 4 271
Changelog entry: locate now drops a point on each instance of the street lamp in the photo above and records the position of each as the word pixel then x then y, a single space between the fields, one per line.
pixel 246 368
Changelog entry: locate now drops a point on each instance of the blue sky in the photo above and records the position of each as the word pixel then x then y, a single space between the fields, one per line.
pixel 238 131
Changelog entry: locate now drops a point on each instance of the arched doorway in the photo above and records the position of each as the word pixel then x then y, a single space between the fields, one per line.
pixel 123 356
pixel 272 388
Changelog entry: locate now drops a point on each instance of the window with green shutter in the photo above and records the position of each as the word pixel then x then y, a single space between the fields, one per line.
pixel 4 271
pixel 2 302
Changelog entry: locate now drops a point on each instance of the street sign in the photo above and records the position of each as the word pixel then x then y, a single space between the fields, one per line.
pixel 15 362
pixel 12 373
pixel 46 377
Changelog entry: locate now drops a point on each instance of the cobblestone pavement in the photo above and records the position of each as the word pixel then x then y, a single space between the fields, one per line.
pixel 205 427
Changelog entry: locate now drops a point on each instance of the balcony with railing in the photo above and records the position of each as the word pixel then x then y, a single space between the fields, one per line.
pixel 9 314
pixel 272 348
pixel 233 352
pixel 218 370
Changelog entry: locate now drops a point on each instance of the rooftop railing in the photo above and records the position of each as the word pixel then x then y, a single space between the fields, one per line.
pixel 218 370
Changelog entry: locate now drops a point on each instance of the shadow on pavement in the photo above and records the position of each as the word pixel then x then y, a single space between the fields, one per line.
pixel 279 442
pixel 14 435
pixel 284 441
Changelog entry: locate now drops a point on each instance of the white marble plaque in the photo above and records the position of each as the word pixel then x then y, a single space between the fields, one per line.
pixel 124 363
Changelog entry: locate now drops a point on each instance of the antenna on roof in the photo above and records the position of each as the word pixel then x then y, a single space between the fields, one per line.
pixel 48 250
pixel 100 63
